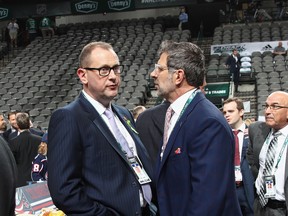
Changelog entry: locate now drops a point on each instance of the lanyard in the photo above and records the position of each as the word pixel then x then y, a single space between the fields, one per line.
pixel 189 100
pixel 281 151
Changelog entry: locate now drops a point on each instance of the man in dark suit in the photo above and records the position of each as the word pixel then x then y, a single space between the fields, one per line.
pixel 150 125
pixel 195 171
pixel 261 135
pixel 13 126
pixel 8 173
pixel 233 110
pixel 24 148
pixel 91 172
pixel 3 125
pixel 233 63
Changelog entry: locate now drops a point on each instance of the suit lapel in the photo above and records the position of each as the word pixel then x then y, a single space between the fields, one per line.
pixel 99 123
pixel 199 96
pixel 245 143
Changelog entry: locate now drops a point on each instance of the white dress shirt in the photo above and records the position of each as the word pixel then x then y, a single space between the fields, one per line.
pixel 280 172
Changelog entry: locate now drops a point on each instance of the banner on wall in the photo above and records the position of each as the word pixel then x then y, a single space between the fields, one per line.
pixel 217 90
pixel 97 6
pixel 142 4
pixel 4 13
pixel 247 47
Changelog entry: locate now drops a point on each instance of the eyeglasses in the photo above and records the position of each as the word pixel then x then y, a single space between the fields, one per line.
pixel 273 107
pixel 160 68
pixel 105 71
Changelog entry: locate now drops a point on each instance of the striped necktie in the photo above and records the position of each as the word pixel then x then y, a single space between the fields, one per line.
pixel 269 162
pixel 167 124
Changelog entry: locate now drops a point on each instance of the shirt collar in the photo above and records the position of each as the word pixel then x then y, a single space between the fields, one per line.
pixel 179 103
pixel 284 131
pixel 98 106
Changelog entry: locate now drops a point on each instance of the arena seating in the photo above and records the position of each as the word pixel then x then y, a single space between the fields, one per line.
pixel 270 72
pixel 43 76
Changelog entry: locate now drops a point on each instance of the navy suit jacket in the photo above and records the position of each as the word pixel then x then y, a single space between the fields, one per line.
pixel 196 174
pixel 248 179
pixel 88 174
pixel 150 125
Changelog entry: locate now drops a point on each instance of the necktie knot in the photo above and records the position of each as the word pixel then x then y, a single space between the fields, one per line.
pixel 169 114
pixel 276 133
pixel 236 132
pixel 109 113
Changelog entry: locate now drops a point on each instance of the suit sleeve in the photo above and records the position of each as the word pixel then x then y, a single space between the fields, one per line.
pixel 211 156
pixel 65 153
pixel 250 152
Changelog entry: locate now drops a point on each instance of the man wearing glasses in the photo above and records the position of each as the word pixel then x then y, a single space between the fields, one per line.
pixel 267 156
pixel 195 166
pixel 97 163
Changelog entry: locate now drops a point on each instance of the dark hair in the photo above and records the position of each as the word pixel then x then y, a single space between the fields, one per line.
pixel 23 121
pixel 11 113
pixel 186 56
pixel 238 102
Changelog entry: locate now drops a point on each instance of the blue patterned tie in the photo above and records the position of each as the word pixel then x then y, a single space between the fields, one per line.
pixel 269 162
pixel 125 147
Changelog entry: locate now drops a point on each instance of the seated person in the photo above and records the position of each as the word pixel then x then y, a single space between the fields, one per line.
pixel 279 50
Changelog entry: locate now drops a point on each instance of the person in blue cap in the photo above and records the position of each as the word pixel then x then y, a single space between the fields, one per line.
pixel 40 162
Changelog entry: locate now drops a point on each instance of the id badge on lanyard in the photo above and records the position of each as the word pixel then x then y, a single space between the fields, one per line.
pixel 138 169
pixel 238 175
pixel 269 182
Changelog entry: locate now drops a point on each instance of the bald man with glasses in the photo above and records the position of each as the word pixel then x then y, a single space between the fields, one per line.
pixel 267 156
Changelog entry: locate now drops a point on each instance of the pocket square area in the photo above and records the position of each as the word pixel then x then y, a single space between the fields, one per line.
pixel 178 151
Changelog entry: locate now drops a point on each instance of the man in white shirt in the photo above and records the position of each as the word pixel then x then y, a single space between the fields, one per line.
pixel 267 156
pixel 13 28
pixel 233 110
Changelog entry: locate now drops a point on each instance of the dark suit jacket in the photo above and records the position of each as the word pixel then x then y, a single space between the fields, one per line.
pixel 234 66
pixel 88 172
pixel 196 174
pixel 8 173
pixel 6 134
pixel 248 179
pixel 258 132
pixel 150 126
pixel 34 131
pixel 25 148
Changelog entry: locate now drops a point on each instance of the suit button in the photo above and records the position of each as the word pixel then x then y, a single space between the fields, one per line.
pixel 134 184
pixel 137 213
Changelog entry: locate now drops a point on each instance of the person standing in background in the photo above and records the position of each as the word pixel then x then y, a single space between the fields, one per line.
pixel 31 27
pixel 267 156
pixel 233 63
pixel 40 162
pixel 47 28
pixel 233 111
pixel 137 111
pixel 13 28
pixel 195 169
pixel 3 125
pixel 24 148
pixel 183 19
